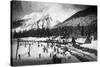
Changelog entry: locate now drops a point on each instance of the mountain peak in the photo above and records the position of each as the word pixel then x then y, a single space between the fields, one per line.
pixel 36 21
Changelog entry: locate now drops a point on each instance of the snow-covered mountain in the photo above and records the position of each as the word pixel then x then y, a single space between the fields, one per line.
pixel 35 21
pixel 45 20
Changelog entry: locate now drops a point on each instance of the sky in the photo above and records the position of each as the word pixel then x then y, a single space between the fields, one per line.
pixel 58 11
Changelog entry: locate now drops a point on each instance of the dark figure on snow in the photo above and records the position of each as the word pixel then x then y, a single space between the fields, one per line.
pixel 88 39
pixel 48 45
pixel 56 59
pixel 28 53
pixel 52 45
pixel 65 49
pixel 19 57
pixel 41 45
pixel 39 55
pixel 44 48
pixel 50 54
pixel 54 49
pixel 25 45
pixel 57 50
pixel 73 41
pixel 38 45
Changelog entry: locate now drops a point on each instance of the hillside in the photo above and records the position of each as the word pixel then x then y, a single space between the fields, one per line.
pixel 84 17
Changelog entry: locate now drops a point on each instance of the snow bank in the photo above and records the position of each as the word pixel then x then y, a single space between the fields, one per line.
pixel 35 38
pixel 81 40
pixel 92 45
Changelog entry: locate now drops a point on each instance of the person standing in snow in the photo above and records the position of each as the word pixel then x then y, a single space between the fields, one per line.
pixel 56 59
pixel 39 55
pixel 73 41
pixel 19 57
pixel 50 54
pixel 44 49
pixel 29 50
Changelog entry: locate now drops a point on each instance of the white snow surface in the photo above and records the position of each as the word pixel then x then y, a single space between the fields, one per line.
pixel 92 45
pixel 35 50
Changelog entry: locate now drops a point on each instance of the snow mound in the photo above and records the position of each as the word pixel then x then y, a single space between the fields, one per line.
pixel 81 40
pixel 92 45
